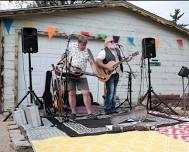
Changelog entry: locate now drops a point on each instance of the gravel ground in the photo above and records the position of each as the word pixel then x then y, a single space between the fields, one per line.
pixel 4 137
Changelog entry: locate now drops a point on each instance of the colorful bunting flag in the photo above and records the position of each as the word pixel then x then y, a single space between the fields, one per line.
pixel 51 31
pixel 131 40
pixel 116 38
pixel 180 43
pixel 28 24
pixel 156 42
pixel 85 33
pixel 102 36
pixel 7 22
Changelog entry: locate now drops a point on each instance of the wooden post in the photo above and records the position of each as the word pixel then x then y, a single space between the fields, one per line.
pixel 1 67
pixel 16 67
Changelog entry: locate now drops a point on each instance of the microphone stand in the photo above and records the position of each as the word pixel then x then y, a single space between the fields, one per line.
pixel 65 97
pixel 129 92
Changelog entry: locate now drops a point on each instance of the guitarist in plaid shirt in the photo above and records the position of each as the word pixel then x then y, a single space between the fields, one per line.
pixel 110 53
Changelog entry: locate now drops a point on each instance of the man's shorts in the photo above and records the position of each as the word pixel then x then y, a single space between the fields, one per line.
pixel 81 84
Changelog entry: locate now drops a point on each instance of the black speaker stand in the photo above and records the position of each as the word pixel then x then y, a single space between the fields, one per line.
pixel 33 97
pixel 149 94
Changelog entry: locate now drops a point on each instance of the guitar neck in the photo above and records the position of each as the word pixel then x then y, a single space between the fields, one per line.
pixel 88 73
pixel 118 63
pixel 125 59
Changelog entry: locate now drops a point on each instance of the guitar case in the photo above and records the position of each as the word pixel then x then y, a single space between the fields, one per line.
pixel 47 95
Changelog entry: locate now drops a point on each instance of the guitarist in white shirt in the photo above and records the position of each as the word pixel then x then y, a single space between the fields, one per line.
pixel 79 56
pixel 108 54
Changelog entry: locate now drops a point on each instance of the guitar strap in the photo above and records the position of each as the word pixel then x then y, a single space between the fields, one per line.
pixel 91 55
pixel 120 58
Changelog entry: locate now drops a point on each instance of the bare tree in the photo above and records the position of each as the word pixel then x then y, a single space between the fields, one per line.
pixel 176 16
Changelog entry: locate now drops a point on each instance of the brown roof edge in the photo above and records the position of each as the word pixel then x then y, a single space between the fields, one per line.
pixel 131 7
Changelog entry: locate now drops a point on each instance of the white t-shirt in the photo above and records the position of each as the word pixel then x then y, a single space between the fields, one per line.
pixel 102 54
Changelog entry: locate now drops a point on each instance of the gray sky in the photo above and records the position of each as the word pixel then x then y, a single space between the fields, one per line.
pixel 160 8
pixel 165 8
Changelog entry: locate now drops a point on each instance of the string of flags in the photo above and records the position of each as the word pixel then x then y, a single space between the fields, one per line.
pixel 51 30
pixel 7 23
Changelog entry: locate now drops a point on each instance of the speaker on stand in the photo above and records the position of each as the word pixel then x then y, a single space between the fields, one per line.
pixel 149 51
pixel 29 45
pixel 29 40
pixel 148 48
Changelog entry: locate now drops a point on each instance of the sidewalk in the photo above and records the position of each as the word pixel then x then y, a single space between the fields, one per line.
pixel 4 136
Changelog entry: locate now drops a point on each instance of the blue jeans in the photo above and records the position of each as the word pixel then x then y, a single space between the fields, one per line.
pixel 111 86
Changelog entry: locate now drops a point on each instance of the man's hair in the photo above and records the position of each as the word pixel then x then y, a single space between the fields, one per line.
pixel 82 39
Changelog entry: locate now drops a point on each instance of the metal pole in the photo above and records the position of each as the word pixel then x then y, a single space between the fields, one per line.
pixel 149 83
pixel 30 77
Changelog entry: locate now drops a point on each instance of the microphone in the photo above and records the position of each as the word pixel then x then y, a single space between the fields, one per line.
pixel 119 45
pixel 64 55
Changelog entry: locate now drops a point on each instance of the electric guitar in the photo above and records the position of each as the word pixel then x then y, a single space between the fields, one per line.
pixel 106 74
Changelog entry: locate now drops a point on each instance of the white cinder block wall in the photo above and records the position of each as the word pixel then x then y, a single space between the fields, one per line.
pixel 118 21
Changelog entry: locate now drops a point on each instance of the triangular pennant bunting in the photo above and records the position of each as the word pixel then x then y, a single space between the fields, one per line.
pixel 157 42
pixel 116 38
pixel 51 31
pixel 180 43
pixel 131 40
pixel 7 22
pixel 85 33
pixel 28 24
pixel 102 36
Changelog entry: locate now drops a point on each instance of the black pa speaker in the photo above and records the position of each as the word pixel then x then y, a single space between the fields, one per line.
pixel 29 40
pixel 148 48
pixel 184 72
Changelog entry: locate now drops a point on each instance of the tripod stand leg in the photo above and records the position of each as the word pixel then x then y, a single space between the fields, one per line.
pixel 162 102
pixel 122 104
pixel 17 106
pixel 34 95
pixel 144 98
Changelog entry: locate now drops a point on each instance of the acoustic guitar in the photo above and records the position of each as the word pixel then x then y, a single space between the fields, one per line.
pixel 58 91
pixel 104 74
